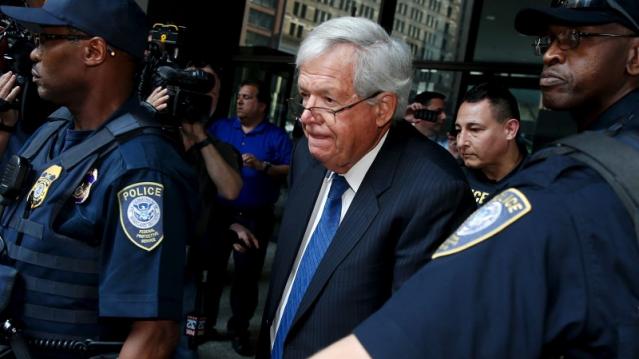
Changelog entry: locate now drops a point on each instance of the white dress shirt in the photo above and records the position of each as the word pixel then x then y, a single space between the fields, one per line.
pixel 354 177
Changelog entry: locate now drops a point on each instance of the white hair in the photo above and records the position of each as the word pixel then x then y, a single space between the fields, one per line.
pixel 383 63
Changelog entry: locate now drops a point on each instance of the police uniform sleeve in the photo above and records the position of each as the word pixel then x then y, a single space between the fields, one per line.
pixel 143 262
pixel 484 294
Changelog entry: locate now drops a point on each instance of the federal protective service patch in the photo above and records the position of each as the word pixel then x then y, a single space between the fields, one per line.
pixel 141 213
pixel 490 219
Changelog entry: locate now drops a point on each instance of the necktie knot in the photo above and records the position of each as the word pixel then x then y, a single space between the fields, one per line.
pixel 339 185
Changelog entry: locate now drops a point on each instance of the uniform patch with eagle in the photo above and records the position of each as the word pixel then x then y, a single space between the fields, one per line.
pixel 141 213
pixel 490 219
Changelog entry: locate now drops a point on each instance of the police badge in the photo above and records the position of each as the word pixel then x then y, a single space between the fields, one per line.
pixel 141 213
pixel 39 191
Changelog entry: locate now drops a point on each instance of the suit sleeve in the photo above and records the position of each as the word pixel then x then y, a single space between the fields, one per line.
pixel 435 215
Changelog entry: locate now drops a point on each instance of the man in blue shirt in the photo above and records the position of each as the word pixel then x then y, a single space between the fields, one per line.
pixel 266 153
pixel 548 268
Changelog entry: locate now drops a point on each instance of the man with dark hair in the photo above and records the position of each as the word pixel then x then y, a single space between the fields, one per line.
pixel 487 128
pixel 266 153
pixel 430 120
pixel 547 268
pixel 98 232
pixel 217 165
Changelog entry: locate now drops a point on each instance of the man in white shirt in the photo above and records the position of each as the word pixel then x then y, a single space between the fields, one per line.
pixel 341 253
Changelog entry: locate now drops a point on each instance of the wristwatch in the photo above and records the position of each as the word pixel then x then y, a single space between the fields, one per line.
pixel 200 145
pixel 267 165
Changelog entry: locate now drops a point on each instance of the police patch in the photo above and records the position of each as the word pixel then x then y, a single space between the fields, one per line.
pixel 490 219
pixel 141 213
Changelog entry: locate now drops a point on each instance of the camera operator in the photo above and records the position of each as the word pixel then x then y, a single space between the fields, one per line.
pixel 218 165
pixel 98 232
pixel 221 160
pixel 22 110
pixel 427 113
pixel 8 93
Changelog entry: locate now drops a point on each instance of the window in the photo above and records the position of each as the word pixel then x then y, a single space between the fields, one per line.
pixel 260 19
pixel 254 39
pixel 272 4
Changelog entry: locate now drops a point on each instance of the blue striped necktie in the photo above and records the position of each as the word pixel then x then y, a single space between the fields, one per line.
pixel 319 242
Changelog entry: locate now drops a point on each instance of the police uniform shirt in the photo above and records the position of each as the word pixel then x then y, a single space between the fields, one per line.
pixel 114 248
pixel 484 188
pixel 547 268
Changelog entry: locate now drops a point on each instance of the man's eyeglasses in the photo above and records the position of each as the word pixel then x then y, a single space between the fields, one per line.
pixel 42 37
pixel 296 105
pixel 569 40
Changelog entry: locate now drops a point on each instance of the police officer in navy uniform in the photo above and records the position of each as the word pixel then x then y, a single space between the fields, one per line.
pixel 550 266
pixel 488 139
pixel 98 233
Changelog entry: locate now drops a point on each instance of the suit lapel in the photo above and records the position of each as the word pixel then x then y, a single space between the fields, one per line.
pixel 361 213
pixel 299 207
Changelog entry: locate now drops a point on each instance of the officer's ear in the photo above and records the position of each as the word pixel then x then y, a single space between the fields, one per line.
pixel 95 52
pixel 511 126
pixel 632 63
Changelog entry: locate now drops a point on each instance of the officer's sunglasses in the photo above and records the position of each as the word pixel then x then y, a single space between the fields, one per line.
pixel 41 37
pixel 569 39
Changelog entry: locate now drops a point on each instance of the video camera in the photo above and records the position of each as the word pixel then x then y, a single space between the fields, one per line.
pixel 16 44
pixel 187 88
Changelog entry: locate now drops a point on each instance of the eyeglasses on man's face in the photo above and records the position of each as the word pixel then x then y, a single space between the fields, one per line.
pixel 569 39
pixel 41 38
pixel 297 107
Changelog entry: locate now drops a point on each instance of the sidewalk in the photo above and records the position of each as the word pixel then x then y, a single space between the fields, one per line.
pixel 223 350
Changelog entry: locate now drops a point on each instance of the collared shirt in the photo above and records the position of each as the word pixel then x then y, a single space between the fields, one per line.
pixel 484 188
pixel 268 143
pixel 354 177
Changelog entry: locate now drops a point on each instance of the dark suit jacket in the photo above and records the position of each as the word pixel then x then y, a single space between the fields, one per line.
pixel 413 196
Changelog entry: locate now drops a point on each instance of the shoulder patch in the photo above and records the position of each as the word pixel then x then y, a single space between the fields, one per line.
pixel 141 213
pixel 490 219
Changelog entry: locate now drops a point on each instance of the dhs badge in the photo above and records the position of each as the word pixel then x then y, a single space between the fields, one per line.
pixel 490 219
pixel 141 214
pixel 39 191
